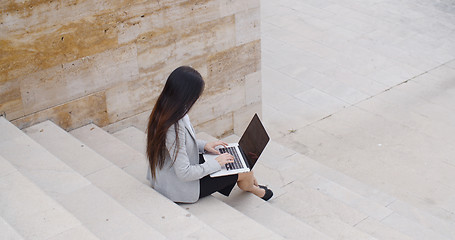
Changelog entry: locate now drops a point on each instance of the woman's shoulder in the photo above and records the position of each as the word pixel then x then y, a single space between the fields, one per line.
pixel 171 132
pixel 180 122
pixel 180 126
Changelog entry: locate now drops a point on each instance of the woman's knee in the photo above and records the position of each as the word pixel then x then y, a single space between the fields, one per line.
pixel 246 176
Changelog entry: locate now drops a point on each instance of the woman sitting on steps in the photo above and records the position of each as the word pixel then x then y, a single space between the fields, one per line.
pixel 177 170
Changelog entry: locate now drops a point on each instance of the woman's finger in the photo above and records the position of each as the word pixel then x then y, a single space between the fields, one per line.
pixel 226 156
pixel 211 149
pixel 229 157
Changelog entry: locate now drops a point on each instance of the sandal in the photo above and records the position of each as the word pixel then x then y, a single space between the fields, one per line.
pixel 268 193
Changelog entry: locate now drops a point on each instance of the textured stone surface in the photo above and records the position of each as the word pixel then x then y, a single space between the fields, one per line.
pixel 56 54
pixel 10 101
pixel 103 216
pixel 66 82
pixel 367 88
pixel 32 213
pixel 72 114
pixel 218 126
pixel 134 163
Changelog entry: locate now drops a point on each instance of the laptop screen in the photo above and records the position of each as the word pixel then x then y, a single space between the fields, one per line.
pixel 254 140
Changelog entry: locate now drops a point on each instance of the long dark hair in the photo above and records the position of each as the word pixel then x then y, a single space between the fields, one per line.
pixel 183 87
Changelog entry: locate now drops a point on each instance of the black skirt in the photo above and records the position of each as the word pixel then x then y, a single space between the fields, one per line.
pixel 223 185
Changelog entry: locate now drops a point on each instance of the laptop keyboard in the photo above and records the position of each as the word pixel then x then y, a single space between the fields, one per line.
pixel 237 164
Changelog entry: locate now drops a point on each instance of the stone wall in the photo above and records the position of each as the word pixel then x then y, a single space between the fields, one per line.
pixel 105 61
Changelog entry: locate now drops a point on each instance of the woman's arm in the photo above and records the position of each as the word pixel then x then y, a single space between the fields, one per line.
pixel 183 169
pixel 201 145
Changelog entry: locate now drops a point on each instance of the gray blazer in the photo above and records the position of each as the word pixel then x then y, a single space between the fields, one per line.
pixel 180 181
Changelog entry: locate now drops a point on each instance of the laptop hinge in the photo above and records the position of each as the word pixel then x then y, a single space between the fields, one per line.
pixel 244 157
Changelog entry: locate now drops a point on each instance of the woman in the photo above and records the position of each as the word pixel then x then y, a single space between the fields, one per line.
pixel 177 169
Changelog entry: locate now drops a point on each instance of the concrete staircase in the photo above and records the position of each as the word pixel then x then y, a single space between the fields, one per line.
pixel 89 184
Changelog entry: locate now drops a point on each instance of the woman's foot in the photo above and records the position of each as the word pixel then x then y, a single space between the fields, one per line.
pixel 247 182
pixel 268 193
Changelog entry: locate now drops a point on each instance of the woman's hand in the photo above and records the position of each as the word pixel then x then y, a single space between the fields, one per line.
pixel 225 158
pixel 210 147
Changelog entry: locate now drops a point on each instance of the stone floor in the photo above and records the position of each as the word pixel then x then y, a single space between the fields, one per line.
pixel 368 88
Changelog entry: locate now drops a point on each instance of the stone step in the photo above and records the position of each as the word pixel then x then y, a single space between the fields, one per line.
pixel 409 216
pixel 372 227
pixel 297 166
pixel 313 202
pixel 310 206
pixel 339 208
pixel 8 232
pixel 137 168
pixel 273 218
pixel 209 208
pixel 134 137
pixel 98 212
pixel 296 160
pixel 141 200
pixel 293 159
pixel 376 213
pixel 329 207
pixel 28 213
pixel 113 150
pixel 346 196
pixel 423 218
pixel 222 216
pixel 279 221
pixel 290 159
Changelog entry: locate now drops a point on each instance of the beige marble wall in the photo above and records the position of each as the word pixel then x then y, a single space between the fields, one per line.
pixel 76 62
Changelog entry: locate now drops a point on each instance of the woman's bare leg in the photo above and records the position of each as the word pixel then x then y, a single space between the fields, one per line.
pixel 247 182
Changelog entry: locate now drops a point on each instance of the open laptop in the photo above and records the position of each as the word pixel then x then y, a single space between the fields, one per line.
pixel 246 152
